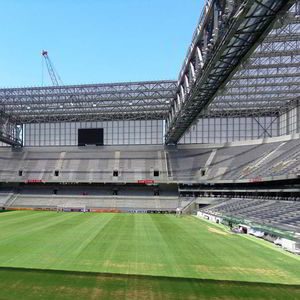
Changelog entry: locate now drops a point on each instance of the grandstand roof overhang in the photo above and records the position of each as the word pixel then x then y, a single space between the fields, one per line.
pixel 268 80
pixel 101 102
pixel 244 58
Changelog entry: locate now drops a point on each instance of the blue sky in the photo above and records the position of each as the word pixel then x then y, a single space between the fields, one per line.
pixel 95 41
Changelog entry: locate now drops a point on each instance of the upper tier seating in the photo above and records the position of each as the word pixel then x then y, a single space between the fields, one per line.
pixel 185 163
pixel 83 164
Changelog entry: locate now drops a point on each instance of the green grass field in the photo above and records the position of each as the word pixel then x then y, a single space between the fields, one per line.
pixel 49 255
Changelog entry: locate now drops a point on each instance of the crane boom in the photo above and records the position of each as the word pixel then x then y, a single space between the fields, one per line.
pixel 55 78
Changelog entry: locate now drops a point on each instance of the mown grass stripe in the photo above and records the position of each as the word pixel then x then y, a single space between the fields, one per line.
pixel 158 245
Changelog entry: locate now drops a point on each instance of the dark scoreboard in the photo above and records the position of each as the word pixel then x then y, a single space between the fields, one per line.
pixel 91 136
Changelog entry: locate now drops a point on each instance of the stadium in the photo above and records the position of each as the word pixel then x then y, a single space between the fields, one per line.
pixel 173 189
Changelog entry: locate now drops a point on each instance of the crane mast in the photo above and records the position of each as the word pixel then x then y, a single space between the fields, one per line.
pixel 55 78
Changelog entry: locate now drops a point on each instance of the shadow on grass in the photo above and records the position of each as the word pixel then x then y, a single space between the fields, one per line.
pixel 56 284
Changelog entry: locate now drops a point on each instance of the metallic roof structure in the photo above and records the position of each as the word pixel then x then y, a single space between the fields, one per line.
pixel 224 42
pixel 115 101
pixel 269 80
pixel 243 61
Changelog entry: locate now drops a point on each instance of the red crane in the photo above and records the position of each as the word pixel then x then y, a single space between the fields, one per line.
pixel 51 70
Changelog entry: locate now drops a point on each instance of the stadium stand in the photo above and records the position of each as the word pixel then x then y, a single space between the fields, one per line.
pixel 148 177
pixel 222 162
pixel 231 161
pixel 275 213
pixel 5 196
pixel 92 202
pixel 92 197
pixel 73 164
pixel 186 164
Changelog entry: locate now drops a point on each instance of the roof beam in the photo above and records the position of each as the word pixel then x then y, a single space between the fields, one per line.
pixel 228 47
pixel 128 99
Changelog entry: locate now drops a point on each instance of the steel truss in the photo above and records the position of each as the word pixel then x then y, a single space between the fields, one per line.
pixel 10 131
pixel 101 102
pixel 269 78
pixel 223 74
